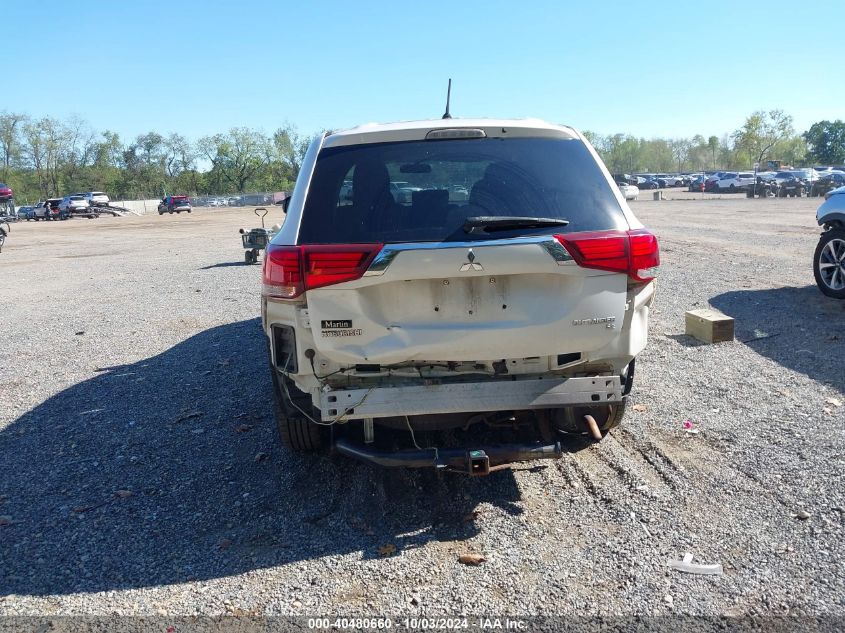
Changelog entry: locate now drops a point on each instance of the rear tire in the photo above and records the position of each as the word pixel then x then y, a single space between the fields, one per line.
pixel 296 432
pixel 607 417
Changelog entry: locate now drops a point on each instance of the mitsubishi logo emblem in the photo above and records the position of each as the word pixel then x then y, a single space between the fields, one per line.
pixel 471 265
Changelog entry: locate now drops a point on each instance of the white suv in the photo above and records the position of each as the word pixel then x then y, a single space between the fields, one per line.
pixel 75 202
pixel 517 310
pixel 735 181
pixel 95 198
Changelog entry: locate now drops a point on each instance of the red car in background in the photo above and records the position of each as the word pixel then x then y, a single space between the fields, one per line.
pixel 7 200
pixel 710 183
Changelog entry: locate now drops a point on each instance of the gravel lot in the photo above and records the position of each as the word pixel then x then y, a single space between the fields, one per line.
pixel 141 472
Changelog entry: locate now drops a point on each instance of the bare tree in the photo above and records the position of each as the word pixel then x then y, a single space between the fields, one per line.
pixel 179 155
pixel 79 149
pixel 290 147
pixel 680 148
pixel 10 143
pixel 44 143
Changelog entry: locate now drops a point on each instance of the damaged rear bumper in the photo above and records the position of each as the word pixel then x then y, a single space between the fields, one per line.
pixel 471 462
pixel 492 395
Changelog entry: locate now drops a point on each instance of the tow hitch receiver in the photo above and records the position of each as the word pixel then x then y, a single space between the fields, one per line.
pixel 479 463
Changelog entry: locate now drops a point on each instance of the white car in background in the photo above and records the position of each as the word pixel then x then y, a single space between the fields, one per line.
pixel 671 181
pixel 75 202
pixel 96 197
pixel 520 308
pixel 809 175
pixel 629 192
pixel 734 181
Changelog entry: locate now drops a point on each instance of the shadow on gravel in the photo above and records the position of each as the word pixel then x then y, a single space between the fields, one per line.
pixel 686 340
pixel 226 265
pixel 798 328
pixel 168 470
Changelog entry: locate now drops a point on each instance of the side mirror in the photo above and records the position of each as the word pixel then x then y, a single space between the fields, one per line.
pixel 286 204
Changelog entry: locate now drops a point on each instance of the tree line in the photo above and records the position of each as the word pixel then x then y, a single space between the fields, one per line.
pixel 764 136
pixel 48 157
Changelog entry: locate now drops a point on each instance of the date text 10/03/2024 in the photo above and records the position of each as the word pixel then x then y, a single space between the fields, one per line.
pixel 420 623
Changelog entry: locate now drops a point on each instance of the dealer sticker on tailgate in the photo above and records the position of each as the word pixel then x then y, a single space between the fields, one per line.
pixel 338 327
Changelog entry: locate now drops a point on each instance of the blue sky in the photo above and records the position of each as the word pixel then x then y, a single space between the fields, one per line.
pixel 200 67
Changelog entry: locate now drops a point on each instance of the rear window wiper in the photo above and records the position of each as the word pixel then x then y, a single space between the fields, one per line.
pixel 489 223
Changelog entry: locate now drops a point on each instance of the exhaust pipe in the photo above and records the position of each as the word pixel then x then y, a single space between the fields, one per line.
pixel 474 462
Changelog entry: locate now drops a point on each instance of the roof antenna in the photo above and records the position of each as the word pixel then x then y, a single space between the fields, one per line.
pixel 446 115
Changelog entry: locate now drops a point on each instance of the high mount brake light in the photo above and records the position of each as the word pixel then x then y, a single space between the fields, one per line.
pixel 453 133
pixel 291 270
pixel 635 252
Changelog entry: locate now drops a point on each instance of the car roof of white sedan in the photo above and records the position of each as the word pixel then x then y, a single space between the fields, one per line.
pixel 417 130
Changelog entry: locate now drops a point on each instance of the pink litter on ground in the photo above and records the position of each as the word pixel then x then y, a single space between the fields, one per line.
pixel 687 424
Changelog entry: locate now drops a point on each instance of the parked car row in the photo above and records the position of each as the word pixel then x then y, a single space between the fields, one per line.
pixel 737 181
pixel 813 182
pixel 656 181
pixel 242 200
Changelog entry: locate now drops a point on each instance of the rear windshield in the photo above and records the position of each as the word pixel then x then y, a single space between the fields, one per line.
pixel 180 198
pixel 423 191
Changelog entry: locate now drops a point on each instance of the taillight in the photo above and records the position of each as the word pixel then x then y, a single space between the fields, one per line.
pixel 282 274
pixel 327 265
pixel 635 252
pixel 604 250
pixel 291 270
pixel 645 255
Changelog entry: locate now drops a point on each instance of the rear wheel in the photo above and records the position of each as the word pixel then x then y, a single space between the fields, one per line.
pixel 829 263
pixel 296 431
pixel 607 417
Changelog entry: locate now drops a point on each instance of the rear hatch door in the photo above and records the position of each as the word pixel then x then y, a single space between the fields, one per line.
pixel 428 284
pixel 510 299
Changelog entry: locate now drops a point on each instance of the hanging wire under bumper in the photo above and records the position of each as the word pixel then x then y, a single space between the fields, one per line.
pixel 474 462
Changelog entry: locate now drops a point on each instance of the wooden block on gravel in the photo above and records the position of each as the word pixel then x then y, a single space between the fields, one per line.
pixel 709 326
